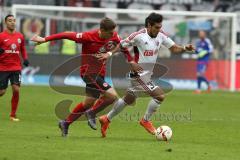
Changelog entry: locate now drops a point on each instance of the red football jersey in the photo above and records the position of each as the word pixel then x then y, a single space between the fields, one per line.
pixel 92 44
pixel 13 45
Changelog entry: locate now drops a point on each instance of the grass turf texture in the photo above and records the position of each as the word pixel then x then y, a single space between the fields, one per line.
pixel 204 127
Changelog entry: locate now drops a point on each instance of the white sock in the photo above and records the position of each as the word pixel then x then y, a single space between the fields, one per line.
pixel 152 107
pixel 118 106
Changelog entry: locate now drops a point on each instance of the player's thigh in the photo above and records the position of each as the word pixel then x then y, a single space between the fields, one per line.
pixel 4 78
pixel 92 92
pixel 201 69
pixel 91 89
pixel 15 79
pixel 153 90
pixel 96 86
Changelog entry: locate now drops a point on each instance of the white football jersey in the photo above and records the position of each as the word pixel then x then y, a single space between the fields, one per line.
pixel 147 46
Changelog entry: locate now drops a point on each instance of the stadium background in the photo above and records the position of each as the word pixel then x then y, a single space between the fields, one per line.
pixel 182 77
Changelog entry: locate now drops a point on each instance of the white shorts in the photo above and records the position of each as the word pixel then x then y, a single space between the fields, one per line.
pixel 142 83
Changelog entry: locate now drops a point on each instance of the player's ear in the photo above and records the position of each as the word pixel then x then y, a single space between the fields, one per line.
pixel 149 25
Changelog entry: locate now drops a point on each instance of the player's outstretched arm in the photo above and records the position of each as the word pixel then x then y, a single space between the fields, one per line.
pixel 180 49
pixel 64 35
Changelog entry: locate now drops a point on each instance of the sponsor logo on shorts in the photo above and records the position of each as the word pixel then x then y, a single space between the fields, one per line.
pixel 105 84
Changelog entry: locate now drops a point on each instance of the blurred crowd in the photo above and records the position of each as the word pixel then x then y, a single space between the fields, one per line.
pixel 44 26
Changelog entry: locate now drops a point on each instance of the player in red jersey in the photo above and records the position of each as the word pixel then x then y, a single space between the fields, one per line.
pixel 11 46
pixel 99 94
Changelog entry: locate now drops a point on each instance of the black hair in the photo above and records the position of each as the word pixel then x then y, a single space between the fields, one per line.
pixel 153 18
pixel 9 15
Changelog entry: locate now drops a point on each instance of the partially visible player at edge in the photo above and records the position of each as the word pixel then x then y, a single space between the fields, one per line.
pixel 204 48
pixel 147 41
pixel 99 94
pixel 12 44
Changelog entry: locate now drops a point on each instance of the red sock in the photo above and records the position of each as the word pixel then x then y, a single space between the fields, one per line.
pixel 15 99
pixel 100 105
pixel 76 113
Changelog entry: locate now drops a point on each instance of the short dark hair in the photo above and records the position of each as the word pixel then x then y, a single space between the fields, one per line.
pixel 153 18
pixel 9 15
pixel 107 24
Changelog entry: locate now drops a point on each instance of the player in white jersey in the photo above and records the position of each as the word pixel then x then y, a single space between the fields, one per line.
pixel 148 42
pixel 146 57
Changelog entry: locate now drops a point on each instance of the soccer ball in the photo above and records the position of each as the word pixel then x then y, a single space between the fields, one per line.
pixel 163 133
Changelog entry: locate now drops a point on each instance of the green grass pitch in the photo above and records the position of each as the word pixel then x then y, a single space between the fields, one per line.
pixel 204 127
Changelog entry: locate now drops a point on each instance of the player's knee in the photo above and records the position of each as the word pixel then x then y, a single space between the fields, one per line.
pixel 129 100
pixel 2 92
pixel 112 98
pixel 87 104
pixel 130 97
pixel 15 89
pixel 160 98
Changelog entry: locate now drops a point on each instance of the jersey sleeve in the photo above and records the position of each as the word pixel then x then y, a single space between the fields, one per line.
pixel 124 50
pixel 167 41
pixel 23 49
pixel 210 46
pixel 130 41
pixel 82 37
pixel 74 36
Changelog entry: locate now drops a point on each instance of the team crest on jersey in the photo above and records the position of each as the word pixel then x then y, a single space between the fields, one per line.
pixel 157 43
pixel 19 40
pixel 108 46
pixel 13 46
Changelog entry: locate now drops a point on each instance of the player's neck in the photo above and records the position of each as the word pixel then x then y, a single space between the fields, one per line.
pixel 10 31
pixel 100 35
pixel 149 33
